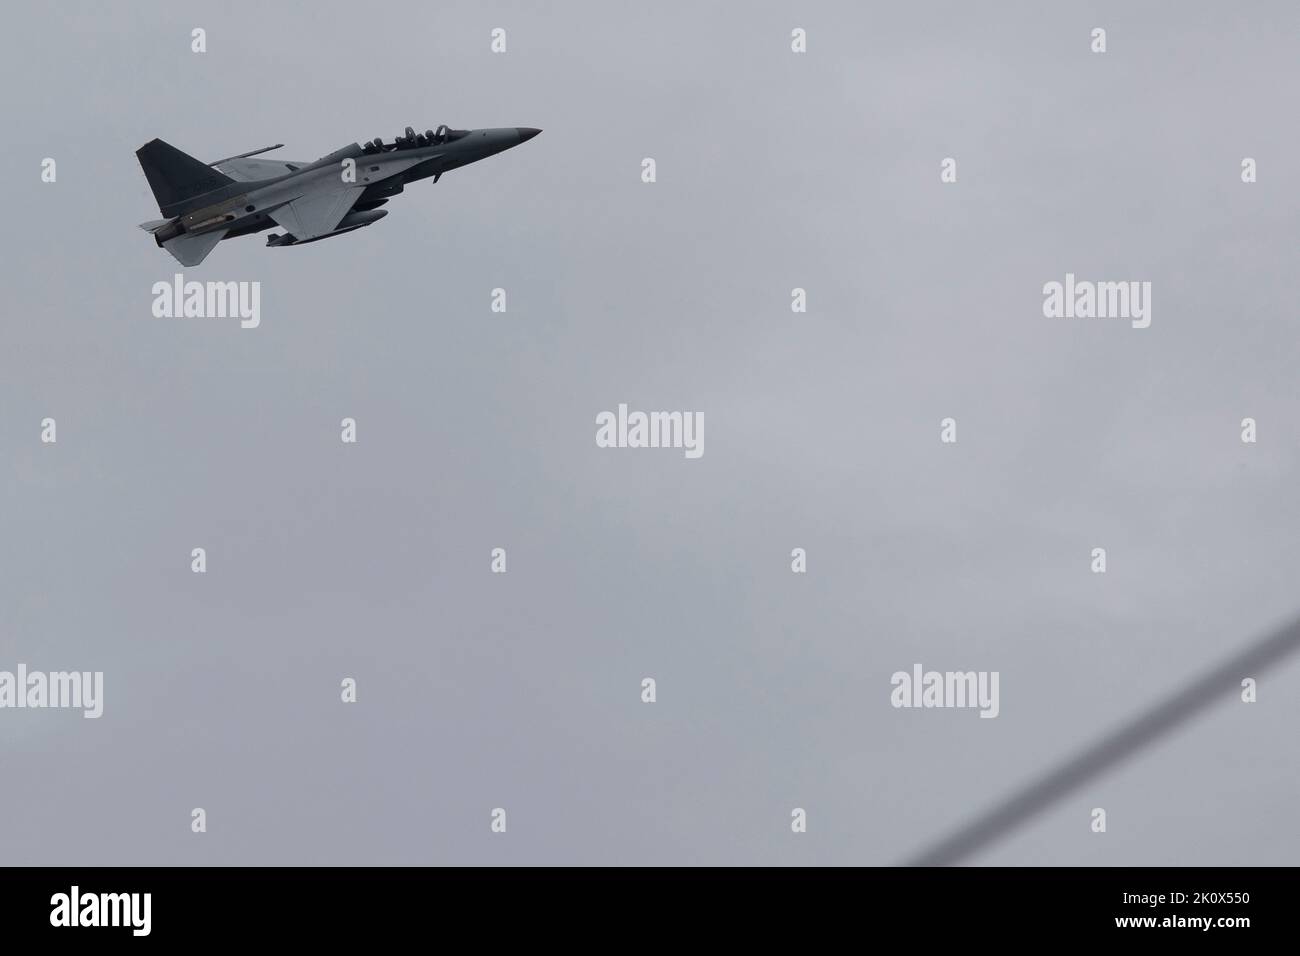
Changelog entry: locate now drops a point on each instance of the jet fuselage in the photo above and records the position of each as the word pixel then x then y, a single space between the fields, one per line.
pixel 378 170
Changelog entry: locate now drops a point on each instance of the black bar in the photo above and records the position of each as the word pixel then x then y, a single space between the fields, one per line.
pixel 243 905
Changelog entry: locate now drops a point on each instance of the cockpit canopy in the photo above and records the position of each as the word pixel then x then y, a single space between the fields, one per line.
pixel 412 139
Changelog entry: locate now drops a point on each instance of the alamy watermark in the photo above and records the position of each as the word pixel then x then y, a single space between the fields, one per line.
pixel 208 300
pixel 922 688
pixel 1083 299
pixel 626 429
pixel 76 908
pixel 82 690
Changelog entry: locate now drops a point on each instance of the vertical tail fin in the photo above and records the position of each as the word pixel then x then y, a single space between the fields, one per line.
pixel 175 176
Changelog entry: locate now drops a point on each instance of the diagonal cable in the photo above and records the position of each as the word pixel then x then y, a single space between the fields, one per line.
pixel 1110 750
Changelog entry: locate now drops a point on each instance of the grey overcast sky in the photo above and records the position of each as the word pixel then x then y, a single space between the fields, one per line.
pixel 476 430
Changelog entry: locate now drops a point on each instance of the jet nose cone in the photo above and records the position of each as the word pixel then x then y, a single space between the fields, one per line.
pixel 526 133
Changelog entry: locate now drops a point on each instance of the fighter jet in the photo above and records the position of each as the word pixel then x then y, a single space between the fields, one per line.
pixel 204 203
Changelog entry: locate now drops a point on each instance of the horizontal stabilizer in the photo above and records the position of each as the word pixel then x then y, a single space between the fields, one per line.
pixel 190 250
pixel 153 225
pixel 250 170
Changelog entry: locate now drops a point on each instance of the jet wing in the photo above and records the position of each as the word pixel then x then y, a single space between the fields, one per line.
pixel 318 212
pixel 249 170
